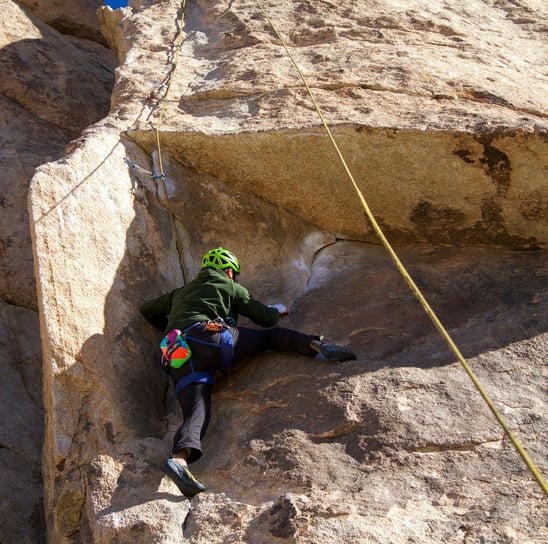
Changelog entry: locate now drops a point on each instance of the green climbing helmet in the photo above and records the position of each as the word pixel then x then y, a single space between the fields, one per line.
pixel 221 258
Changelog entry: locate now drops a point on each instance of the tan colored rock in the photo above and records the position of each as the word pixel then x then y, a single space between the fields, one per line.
pixel 42 109
pixel 87 380
pixel 438 187
pixel 77 17
pixel 310 449
pixel 19 157
pixel 66 82
pixel 395 447
pixel 399 445
pixel 444 140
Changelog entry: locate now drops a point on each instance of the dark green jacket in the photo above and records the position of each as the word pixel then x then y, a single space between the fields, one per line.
pixel 210 295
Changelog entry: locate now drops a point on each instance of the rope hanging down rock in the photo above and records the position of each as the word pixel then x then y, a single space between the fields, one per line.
pixel 403 271
pixel 159 173
pixel 162 177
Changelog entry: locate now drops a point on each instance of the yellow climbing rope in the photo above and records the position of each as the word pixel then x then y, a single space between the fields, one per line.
pixel 409 280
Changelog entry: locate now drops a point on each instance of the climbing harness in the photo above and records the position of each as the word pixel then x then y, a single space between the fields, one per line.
pixel 176 351
pixel 403 271
pixel 225 345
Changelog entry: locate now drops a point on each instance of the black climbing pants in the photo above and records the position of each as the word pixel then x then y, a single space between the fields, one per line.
pixel 195 399
pixel 252 342
pixel 195 403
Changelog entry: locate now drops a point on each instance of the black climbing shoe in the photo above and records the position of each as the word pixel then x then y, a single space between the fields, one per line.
pixel 180 474
pixel 332 351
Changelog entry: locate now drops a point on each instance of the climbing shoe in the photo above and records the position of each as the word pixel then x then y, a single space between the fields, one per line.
pixel 332 351
pixel 180 474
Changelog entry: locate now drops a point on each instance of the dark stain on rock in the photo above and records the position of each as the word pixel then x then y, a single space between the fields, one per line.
pixel 283 517
pixel 464 154
pixel 497 164
pixel 487 97
pixel 441 225
pixel 139 528
pixel 491 213
pixel 535 206
pixel 109 431
pixel 436 223
pixel 492 228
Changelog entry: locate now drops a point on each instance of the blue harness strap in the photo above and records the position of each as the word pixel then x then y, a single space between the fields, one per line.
pixel 227 348
pixel 226 356
pixel 194 377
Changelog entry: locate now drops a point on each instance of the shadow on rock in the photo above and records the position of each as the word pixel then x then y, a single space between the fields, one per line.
pixel 486 298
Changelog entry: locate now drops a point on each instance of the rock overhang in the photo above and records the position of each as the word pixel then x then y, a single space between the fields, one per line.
pixel 437 186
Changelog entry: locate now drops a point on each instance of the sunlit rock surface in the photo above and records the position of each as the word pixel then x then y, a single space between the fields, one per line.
pixel 440 113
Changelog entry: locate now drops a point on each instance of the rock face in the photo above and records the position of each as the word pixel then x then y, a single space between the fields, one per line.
pixel 52 86
pixel 426 102
pixel 440 113
pixel 21 426
pixel 74 18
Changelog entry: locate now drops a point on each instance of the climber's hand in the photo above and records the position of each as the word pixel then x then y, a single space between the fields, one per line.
pixel 282 310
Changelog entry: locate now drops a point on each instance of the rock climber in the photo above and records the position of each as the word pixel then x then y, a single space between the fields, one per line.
pixel 201 337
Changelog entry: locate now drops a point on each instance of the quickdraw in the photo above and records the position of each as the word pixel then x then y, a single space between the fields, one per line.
pixel 215 326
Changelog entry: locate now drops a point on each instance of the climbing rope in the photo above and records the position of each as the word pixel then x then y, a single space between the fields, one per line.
pixel 178 42
pixel 173 219
pixel 409 280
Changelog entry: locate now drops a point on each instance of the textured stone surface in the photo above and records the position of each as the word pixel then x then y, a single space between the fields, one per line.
pixel 398 446
pixel 432 106
pixel 426 102
pixel 76 18
pixel 21 427
pixel 51 87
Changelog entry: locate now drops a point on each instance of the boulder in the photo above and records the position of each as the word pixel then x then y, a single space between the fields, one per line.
pixel 52 86
pixel 448 147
